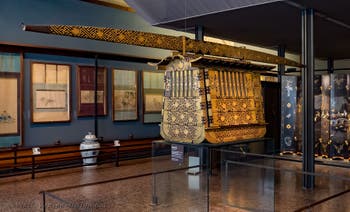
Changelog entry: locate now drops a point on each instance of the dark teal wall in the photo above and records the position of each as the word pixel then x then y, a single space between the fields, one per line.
pixel 74 12
pixel 74 131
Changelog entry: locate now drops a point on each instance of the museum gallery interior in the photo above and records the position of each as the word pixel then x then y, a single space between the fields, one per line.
pixel 174 105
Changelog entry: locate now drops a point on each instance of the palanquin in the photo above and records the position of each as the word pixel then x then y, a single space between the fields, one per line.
pixel 212 99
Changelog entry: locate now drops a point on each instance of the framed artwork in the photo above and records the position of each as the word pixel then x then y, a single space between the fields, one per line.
pixel 86 91
pixel 153 91
pixel 50 92
pixel 50 99
pixel 153 103
pixel 125 95
pixel 9 104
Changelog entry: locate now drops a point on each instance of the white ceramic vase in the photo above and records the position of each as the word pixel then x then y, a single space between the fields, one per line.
pixel 89 143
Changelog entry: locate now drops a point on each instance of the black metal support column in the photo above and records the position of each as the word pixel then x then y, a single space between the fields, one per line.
pixel 330 65
pixel 281 52
pixel 307 56
pixel 199 33
pixel 281 71
pixel 95 100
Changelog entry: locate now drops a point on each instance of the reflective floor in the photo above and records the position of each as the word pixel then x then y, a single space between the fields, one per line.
pixel 233 187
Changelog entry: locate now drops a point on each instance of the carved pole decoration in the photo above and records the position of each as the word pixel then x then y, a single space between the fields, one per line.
pixel 153 40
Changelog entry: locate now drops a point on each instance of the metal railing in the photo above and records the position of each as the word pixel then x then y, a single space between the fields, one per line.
pixel 153 174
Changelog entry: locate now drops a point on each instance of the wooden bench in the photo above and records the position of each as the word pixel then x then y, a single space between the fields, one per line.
pixel 129 149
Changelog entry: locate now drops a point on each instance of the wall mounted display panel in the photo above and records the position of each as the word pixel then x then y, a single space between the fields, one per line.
pixel 125 95
pixel 153 91
pixel 339 116
pixel 10 99
pixel 86 91
pixel 288 108
pixel 50 89
pixel 322 90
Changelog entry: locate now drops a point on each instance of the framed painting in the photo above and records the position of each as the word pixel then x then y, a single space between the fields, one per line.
pixel 153 103
pixel 153 91
pixel 50 92
pixel 125 95
pixel 86 91
pixel 9 104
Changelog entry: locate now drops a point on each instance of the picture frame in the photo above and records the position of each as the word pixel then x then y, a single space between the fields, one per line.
pixel 50 92
pixel 153 91
pixel 9 96
pixel 86 91
pixel 125 95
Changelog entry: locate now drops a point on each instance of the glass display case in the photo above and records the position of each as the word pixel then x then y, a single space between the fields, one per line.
pixel 241 182
pixel 331 116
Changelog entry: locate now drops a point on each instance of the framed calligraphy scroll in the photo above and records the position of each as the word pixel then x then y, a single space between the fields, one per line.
pixel 153 91
pixel 86 91
pixel 125 95
pixel 9 104
pixel 50 92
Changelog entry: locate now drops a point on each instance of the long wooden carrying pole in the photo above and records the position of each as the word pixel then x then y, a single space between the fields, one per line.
pixel 146 39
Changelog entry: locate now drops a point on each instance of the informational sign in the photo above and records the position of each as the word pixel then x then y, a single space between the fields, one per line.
pixel 116 143
pixel 36 150
pixel 177 153
pixel 193 161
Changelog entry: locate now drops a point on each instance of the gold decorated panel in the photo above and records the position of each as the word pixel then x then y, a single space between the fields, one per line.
pixel 260 117
pixel 183 117
pixel 235 133
pixel 129 37
pixel 258 105
pixel 182 104
pixel 205 96
pixel 235 118
pixel 249 84
pixel 212 83
pixel 182 133
pixel 256 80
pixel 228 105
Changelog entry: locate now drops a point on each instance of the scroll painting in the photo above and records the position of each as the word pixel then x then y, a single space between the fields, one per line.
pixel 86 91
pixel 10 99
pixel 9 104
pixel 153 91
pixel 125 95
pixel 50 91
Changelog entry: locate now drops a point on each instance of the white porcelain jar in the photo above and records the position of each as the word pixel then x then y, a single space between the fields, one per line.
pixel 89 143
